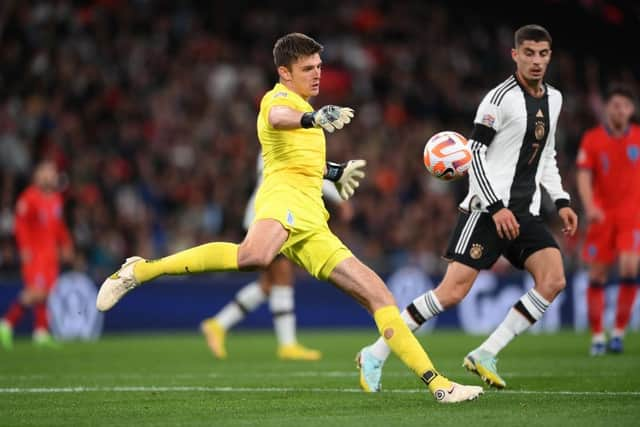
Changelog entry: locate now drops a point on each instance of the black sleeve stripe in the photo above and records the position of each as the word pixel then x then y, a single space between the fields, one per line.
pixel 485 186
pixel 476 164
pixel 482 133
pixel 504 92
pixel 499 88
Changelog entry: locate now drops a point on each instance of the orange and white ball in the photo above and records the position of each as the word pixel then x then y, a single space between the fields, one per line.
pixel 447 155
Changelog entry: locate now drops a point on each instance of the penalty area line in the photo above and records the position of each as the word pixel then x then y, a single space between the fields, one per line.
pixel 173 389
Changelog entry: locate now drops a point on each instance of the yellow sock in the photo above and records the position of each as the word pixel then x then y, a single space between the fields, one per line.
pixel 218 256
pixel 405 345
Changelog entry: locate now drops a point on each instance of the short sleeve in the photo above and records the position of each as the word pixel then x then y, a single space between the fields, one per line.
pixel 585 158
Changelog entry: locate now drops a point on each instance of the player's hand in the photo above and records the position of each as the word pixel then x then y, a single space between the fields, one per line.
pixel 332 117
pixel 506 224
pixel 350 179
pixel 594 214
pixel 569 221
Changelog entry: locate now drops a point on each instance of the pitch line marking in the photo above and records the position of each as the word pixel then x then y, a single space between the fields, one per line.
pixel 128 389
pixel 329 374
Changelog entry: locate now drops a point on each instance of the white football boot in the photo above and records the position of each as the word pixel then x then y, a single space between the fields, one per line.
pixel 457 393
pixel 117 285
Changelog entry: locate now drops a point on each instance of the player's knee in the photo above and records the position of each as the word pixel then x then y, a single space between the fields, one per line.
pixel 451 293
pixel 252 259
pixel 456 295
pixel 554 285
pixel 377 298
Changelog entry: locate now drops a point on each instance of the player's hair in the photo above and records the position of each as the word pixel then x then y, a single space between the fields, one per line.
pixel 620 89
pixel 293 46
pixel 533 32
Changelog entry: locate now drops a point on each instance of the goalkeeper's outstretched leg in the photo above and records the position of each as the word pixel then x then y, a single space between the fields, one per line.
pixel 261 245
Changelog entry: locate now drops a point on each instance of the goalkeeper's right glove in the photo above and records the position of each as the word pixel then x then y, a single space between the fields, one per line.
pixel 329 118
pixel 346 176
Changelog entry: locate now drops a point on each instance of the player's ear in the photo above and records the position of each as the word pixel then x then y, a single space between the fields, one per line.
pixel 284 73
pixel 514 55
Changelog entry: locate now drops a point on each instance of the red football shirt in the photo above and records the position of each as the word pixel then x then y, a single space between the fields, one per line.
pixel 40 230
pixel 615 168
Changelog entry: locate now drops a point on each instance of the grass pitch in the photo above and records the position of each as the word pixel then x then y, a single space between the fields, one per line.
pixel 173 380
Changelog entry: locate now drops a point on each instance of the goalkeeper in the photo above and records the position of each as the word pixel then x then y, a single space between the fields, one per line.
pixel 291 217
pixel 275 283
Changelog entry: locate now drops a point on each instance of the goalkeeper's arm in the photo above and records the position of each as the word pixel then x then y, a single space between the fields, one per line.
pixel 345 176
pixel 329 118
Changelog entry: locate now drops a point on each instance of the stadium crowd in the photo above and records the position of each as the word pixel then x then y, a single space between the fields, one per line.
pixel 149 110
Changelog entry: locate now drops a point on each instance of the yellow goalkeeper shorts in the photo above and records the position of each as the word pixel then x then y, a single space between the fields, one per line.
pixel 310 244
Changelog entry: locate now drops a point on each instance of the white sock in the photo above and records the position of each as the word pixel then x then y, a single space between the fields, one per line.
pixel 284 318
pixel 617 333
pixel 524 313
pixel 247 299
pixel 419 311
pixel 598 338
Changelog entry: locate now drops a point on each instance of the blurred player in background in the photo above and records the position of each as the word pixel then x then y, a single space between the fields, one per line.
pixel 290 215
pixel 275 283
pixel 43 240
pixel 513 144
pixel 608 181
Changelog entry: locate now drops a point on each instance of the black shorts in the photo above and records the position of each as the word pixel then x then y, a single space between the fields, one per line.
pixel 475 241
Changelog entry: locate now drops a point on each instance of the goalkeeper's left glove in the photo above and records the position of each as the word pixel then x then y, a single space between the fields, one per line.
pixel 346 176
pixel 329 118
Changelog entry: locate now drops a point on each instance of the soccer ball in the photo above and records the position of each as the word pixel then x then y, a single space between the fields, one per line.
pixel 447 155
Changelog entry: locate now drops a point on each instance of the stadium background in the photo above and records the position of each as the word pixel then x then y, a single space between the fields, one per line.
pixel 149 109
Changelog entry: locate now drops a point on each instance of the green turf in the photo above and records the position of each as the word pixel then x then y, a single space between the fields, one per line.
pixel 173 380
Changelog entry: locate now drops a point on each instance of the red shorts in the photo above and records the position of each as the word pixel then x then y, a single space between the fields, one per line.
pixel 39 277
pixel 606 239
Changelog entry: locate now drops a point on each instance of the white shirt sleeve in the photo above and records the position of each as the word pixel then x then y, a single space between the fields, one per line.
pixel 487 123
pixel 330 192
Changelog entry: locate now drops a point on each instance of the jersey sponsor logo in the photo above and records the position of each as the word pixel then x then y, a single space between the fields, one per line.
pixel 488 120
pixel 476 251
pixel 281 94
pixel 633 153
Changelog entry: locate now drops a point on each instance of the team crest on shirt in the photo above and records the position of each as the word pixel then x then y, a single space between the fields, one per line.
pixel 290 219
pixel 488 120
pixel 476 251
pixel 539 129
pixel 633 153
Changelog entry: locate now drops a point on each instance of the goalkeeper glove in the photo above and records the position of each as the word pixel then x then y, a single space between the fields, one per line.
pixel 329 118
pixel 346 176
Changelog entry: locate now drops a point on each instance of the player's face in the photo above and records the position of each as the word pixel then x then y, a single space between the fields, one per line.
pixel 46 177
pixel 532 59
pixel 619 110
pixel 304 76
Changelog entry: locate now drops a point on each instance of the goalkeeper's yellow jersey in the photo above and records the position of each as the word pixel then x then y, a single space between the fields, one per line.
pixel 295 157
